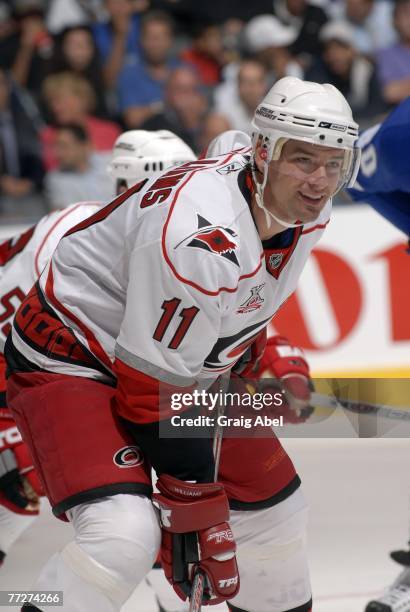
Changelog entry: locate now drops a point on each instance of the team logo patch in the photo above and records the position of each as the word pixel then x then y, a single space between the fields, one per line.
pixel 254 301
pixel 275 260
pixel 128 456
pixel 213 238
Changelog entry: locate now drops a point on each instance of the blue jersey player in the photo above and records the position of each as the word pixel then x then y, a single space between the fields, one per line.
pixel 384 177
pixel 384 183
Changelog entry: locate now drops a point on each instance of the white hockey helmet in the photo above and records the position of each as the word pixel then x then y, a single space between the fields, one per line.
pixel 137 154
pixel 309 112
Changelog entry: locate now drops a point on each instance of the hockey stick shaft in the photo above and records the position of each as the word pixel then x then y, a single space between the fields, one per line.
pixel 198 584
pixel 195 598
pixel 400 413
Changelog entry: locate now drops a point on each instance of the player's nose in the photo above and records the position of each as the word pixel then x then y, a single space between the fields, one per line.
pixel 318 178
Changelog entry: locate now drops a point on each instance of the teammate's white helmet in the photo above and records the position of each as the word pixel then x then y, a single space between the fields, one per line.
pixel 138 153
pixel 310 112
pixel 226 142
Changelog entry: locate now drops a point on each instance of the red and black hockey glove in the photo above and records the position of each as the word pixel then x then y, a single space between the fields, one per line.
pixel 20 488
pixel 196 537
pixel 287 364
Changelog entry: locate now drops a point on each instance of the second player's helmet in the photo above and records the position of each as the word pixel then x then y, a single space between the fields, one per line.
pixel 137 154
pixel 308 112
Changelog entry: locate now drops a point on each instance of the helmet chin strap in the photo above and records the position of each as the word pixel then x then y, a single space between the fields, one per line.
pixel 260 188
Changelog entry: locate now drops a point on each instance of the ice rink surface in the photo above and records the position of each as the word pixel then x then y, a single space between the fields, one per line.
pixel 359 493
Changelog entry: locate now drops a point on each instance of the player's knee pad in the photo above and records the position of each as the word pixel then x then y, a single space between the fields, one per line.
pixel 92 572
pixel 117 540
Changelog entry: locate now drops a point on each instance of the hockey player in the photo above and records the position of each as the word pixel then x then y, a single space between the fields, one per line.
pixel 384 183
pixel 165 289
pixel 384 178
pixel 137 154
pixel 279 360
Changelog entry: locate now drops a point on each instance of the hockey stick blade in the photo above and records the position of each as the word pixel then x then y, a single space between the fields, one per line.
pixel 327 401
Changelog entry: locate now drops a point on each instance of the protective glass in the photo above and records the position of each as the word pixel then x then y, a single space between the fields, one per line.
pixel 329 168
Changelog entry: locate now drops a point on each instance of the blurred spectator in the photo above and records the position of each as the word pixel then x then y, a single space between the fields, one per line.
pixel 239 103
pixel 269 41
pixel 117 39
pixel 141 85
pixel 184 107
pixel 206 52
pixel 231 39
pixel 307 19
pixel 213 125
pixel 189 12
pixel 352 73
pixel 80 175
pixel 372 21
pixel 21 170
pixel 9 35
pixel 70 99
pixel 63 14
pixel 76 52
pixel 394 62
pixel 36 46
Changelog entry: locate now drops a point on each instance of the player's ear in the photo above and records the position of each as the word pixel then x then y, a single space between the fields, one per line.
pixel 259 156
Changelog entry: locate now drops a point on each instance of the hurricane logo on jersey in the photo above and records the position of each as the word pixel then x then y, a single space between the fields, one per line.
pixel 227 350
pixel 128 456
pixel 213 238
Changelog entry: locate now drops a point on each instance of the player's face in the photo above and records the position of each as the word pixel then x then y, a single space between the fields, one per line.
pixel 302 180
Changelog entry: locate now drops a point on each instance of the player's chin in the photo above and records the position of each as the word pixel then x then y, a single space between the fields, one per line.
pixel 310 212
pixel 308 216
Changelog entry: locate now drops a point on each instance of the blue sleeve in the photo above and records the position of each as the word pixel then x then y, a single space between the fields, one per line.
pixel 385 165
pixel 103 36
pixel 384 176
pixel 136 88
pixel 394 206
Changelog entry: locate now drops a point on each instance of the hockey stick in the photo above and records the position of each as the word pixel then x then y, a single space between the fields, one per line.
pixel 400 413
pixel 198 584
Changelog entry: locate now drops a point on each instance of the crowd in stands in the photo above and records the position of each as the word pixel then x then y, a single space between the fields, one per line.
pixel 75 73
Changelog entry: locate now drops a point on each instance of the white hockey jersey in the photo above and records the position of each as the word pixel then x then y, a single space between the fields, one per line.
pixel 170 280
pixel 23 257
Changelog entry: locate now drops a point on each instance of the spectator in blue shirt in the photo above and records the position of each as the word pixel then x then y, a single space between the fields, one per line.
pixel 393 63
pixel 141 84
pixel 117 38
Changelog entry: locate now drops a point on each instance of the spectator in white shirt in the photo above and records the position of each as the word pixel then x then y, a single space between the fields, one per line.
pixel 238 103
pixel 81 174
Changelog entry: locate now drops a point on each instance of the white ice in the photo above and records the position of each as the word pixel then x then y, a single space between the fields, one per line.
pixel 359 491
